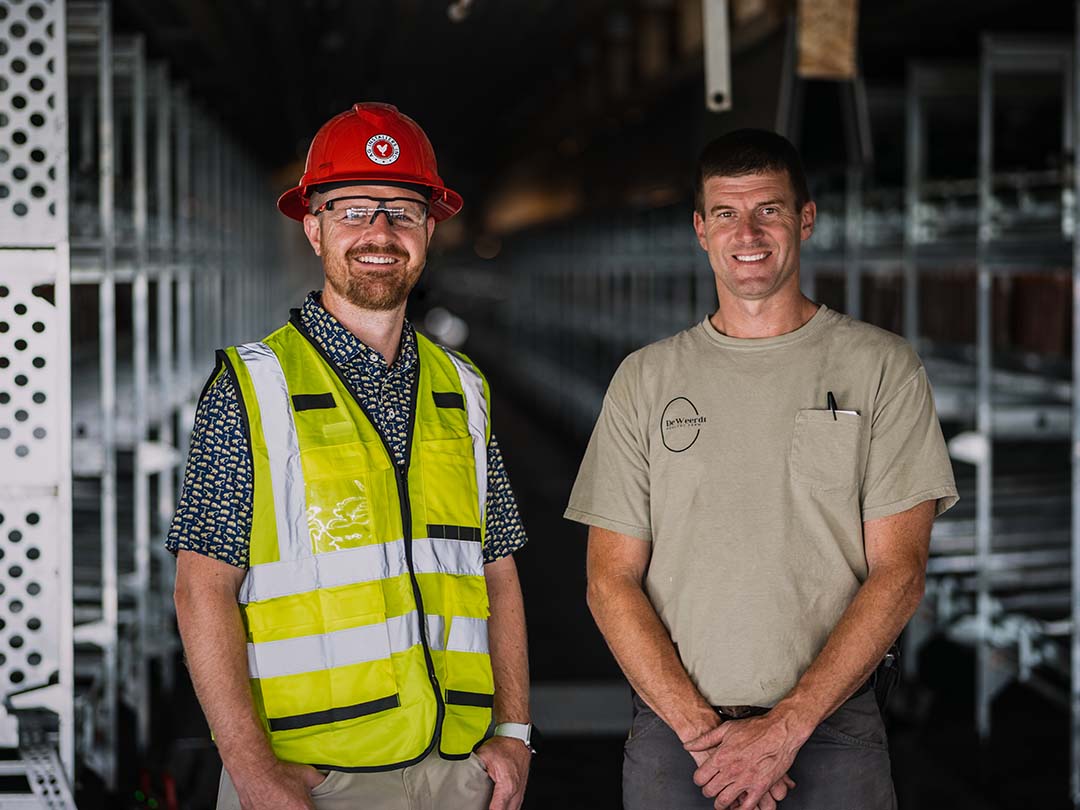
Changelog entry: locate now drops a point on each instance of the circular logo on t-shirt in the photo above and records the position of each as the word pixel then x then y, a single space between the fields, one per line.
pixel 680 425
pixel 383 149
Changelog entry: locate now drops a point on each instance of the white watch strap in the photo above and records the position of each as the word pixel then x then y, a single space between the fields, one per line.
pixel 519 731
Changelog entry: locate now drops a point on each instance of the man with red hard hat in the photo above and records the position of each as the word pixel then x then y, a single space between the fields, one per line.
pixel 346 590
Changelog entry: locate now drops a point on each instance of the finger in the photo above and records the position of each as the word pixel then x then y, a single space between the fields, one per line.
pixel 755 796
pixel 710 739
pixel 766 803
pixel 726 795
pixel 730 799
pixel 706 772
pixel 789 781
pixel 500 799
pixel 777 792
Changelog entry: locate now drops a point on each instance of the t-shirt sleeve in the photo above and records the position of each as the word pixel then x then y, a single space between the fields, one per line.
pixel 612 486
pixel 908 461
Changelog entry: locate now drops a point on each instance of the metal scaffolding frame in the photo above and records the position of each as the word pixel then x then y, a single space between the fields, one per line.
pixel 122 271
pixel 999 574
pixel 1004 576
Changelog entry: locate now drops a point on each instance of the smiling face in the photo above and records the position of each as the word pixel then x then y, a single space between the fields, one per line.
pixel 372 265
pixel 752 230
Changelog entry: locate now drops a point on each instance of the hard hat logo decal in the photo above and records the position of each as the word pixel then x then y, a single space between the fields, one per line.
pixel 383 149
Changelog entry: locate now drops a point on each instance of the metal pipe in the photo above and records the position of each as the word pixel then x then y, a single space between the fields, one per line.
pixel 64 532
pixel 107 348
pixel 853 204
pixel 166 359
pixel 140 304
pixel 184 332
pixel 984 407
pixel 914 171
pixel 1074 692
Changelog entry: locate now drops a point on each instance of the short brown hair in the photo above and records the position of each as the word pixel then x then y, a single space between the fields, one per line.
pixel 750 151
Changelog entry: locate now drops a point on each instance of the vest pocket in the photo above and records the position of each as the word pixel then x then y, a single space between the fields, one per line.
pixel 469 688
pixel 450 487
pixel 824 450
pixel 347 495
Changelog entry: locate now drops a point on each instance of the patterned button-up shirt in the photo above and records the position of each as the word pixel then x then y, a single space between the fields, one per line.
pixel 214 513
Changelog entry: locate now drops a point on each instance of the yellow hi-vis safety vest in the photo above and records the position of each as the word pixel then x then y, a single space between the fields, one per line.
pixel 365 603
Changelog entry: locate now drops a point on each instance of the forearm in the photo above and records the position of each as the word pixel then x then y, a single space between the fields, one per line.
pixel 644 650
pixel 508 642
pixel 872 622
pixel 216 654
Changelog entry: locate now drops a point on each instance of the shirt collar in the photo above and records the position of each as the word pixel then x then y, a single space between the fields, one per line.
pixel 344 348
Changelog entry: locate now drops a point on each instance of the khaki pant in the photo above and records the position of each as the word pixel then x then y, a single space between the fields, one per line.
pixel 433 783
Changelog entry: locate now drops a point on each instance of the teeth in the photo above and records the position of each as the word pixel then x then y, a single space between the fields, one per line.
pixel 376 260
pixel 752 257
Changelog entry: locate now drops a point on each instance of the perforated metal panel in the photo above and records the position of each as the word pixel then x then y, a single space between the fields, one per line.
pixel 35 478
pixel 30 328
pixel 32 123
pixel 29 608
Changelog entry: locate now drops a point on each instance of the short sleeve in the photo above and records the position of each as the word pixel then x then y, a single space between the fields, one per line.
pixel 505 532
pixel 612 486
pixel 213 516
pixel 908 461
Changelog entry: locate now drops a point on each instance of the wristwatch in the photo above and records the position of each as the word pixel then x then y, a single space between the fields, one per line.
pixel 526 732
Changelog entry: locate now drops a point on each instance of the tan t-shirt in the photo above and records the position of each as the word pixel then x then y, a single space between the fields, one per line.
pixel 723 454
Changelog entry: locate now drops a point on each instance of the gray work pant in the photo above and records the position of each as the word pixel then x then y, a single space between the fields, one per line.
pixel 843 766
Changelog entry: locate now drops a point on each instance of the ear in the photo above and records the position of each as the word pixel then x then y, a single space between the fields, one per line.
pixel 430 228
pixel 312 230
pixel 807 217
pixel 699 229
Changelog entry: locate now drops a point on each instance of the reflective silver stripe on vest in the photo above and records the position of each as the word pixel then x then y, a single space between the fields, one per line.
pixel 477 412
pixel 327 570
pixel 467 635
pixel 373 642
pixel 436 630
pixel 341 648
pixel 432 555
pixel 283 450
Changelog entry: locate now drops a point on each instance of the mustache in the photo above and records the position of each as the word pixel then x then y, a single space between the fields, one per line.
pixel 377 250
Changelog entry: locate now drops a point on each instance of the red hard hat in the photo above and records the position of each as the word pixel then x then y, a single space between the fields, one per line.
pixel 371 143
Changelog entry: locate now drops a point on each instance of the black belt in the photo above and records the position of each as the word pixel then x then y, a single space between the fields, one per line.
pixel 742 712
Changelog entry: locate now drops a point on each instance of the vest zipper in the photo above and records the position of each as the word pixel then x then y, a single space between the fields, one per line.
pixel 401 477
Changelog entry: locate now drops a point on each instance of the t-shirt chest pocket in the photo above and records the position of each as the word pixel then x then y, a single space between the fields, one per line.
pixel 825 450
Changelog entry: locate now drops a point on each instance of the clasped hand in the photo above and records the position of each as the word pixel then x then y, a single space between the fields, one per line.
pixel 743 763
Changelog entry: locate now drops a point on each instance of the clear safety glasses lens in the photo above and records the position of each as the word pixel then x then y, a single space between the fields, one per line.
pixel 400 212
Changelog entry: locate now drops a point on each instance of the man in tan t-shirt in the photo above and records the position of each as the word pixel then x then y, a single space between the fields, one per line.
pixel 760 490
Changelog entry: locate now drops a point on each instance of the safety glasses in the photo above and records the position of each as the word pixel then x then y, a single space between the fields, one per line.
pixel 400 212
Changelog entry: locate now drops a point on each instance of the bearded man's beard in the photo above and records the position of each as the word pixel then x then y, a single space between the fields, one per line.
pixel 375 289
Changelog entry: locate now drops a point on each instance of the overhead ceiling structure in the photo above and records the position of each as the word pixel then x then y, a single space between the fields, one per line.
pixel 502 85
